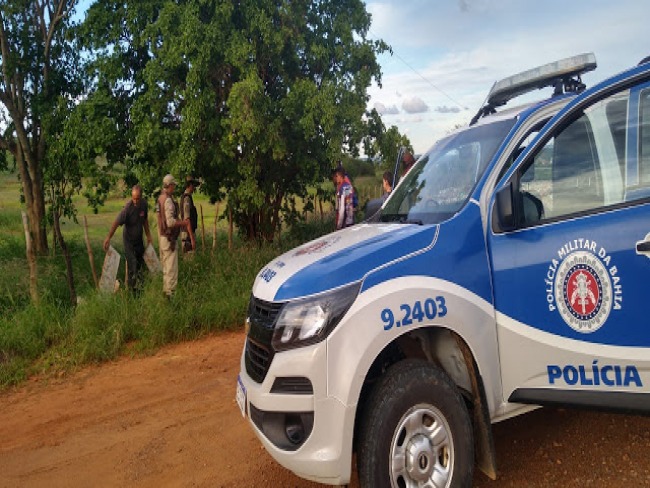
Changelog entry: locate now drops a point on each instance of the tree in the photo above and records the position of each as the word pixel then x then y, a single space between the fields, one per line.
pixel 385 143
pixel 298 104
pixel 114 33
pixel 85 129
pixel 258 97
pixel 35 70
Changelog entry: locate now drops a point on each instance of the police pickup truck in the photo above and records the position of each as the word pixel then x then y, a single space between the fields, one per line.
pixel 509 269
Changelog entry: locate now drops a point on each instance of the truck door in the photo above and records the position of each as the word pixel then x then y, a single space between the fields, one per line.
pixel 570 253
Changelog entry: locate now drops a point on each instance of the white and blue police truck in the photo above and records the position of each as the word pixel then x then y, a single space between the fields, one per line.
pixel 508 270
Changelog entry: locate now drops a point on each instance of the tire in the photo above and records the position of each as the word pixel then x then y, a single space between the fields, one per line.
pixel 415 431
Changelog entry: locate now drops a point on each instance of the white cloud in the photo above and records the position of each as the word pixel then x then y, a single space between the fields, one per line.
pixel 448 54
pixel 384 110
pixel 446 110
pixel 414 105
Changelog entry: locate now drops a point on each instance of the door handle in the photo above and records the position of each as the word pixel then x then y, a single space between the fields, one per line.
pixel 643 246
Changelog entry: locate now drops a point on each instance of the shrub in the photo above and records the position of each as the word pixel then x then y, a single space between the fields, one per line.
pixel 213 293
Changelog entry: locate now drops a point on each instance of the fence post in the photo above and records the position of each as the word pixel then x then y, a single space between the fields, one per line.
pixel 230 229
pixel 214 228
pixel 90 252
pixel 202 229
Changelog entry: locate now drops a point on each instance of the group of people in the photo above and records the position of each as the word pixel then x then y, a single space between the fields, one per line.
pixel 174 221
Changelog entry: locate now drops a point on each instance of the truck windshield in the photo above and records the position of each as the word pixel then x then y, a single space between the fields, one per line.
pixel 442 180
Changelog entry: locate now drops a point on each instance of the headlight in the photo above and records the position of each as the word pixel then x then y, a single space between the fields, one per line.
pixel 308 321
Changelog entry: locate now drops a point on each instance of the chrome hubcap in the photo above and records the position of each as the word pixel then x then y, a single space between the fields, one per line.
pixel 422 450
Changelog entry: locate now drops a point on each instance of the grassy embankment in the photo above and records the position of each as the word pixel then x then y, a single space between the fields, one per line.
pixel 213 292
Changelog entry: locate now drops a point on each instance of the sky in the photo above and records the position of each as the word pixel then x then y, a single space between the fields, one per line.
pixel 448 53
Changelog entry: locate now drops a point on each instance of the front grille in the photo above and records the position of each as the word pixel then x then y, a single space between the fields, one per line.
pixel 263 313
pixel 259 351
pixel 258 360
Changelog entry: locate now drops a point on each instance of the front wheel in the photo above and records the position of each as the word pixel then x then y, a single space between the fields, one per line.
pixel 415 431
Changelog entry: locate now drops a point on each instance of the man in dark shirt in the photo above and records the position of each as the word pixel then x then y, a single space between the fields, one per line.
pixel 134 219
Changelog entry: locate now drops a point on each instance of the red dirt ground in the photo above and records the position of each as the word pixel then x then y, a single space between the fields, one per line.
pixel 171 420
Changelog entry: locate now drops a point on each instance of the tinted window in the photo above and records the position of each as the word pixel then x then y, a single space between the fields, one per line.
pixel 581 168
pixel 644 139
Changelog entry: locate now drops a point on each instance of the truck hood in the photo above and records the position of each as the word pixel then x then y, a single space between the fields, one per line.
pixel 338 259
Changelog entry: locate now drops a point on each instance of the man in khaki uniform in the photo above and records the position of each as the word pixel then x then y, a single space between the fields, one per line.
pixel 188 211
pixel 169 227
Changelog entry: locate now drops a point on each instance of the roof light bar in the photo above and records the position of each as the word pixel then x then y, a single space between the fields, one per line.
pixel 540 77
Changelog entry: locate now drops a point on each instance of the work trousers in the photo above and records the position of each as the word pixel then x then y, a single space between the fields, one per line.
pixel 169 262
pixel 134 254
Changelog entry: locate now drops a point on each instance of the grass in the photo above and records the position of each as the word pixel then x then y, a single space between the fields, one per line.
pixel 213 292
pixel 368 187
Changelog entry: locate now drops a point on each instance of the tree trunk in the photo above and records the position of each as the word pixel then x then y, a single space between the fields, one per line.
pixel 31 260
pixel 68 260
pixel 89 248
pixel 34 194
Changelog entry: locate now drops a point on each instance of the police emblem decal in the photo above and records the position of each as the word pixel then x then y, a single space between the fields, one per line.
pixel 583 292
pixel 583 286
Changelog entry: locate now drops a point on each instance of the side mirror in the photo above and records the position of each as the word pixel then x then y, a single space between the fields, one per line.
pixel 505 208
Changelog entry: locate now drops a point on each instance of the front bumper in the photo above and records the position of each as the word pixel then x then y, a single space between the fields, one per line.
pixel 326 454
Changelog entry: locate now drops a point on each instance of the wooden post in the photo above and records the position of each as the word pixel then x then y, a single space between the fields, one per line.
pixel 66 256
pixel 53 242
pixel 230 228
pixel 214 228
pixel 202 229
pixel 31 260
pixel 90 253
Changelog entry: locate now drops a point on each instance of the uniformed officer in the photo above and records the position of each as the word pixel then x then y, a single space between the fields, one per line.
pixel 188 211
pixel 169 227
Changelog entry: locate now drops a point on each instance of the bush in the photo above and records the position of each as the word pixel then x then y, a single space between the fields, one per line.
pixel 212 294
pixel 27 335
pixel 308 230
pixel 358 167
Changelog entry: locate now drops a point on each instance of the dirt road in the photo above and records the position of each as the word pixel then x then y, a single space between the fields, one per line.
pixel 171 420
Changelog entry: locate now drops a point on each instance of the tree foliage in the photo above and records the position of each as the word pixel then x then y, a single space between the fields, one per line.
pixel 37 66
pixel 385 143
pixel 258 97
pixel 85 130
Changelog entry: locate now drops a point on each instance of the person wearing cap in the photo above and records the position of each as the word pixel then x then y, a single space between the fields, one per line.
pixel 188 211
pixel 134 219
pixel 169 227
